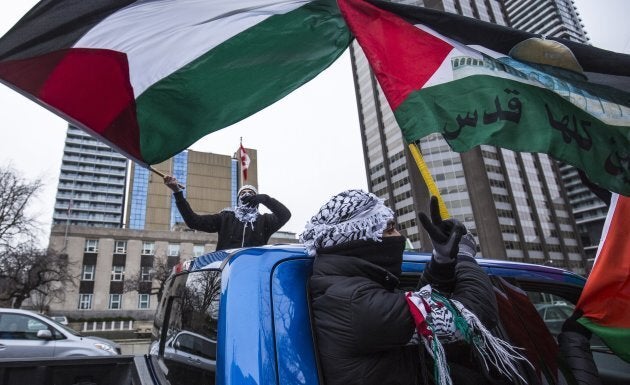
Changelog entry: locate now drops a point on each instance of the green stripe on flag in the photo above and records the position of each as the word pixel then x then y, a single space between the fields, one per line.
pixel 617 339
pixel 491 110
pixel 239 77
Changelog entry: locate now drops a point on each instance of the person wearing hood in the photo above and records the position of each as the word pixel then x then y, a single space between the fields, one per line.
pixel 370 332
pixel 242 226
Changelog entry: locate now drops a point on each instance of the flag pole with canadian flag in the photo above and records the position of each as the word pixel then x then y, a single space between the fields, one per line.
pixel 244 161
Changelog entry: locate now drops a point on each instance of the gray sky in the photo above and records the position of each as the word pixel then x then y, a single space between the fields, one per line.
pixel 309 145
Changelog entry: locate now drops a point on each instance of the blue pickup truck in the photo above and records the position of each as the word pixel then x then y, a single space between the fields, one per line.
pixel 242 317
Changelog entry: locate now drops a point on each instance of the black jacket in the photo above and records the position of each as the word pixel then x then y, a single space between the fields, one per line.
pixel 230 229
pixel 363 323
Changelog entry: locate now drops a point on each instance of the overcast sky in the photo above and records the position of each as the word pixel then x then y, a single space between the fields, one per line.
pixel 309 145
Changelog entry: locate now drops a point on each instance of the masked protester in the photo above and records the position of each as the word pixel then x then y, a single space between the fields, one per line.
pixel 241 226
pixel 369 332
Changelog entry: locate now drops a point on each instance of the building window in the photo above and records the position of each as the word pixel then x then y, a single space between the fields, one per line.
pixel 88 273
pixel 173 250
pixel 91 245
pixel 198 250
pixel 148 248
pixel 120 247
pixel 145 273
pixel 115 301
pixel 85 301
pixel 118 273
pixel 144 301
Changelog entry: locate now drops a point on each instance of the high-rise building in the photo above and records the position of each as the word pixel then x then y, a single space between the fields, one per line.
pixel 550 18
pixel 91 187
pixel 512 202
pixel 560 18
pixel 211 182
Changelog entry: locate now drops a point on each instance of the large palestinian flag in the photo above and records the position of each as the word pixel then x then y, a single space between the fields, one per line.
pixel 152 77
pixel 453 75
pixel 605 299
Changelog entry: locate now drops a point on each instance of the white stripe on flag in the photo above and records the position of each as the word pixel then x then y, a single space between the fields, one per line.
pixel 161 36
pixel 609 217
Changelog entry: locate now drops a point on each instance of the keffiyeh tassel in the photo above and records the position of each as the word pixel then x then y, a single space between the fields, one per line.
pixel 441 320
pixel 499 353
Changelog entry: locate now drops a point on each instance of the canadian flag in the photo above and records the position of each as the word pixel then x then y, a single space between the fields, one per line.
pixel 244 161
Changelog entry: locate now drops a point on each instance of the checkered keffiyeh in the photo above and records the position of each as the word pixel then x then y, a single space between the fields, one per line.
pixel 440 320
pixel 348 216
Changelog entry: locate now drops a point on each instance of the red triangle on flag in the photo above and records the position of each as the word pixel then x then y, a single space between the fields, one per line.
pixel 403 56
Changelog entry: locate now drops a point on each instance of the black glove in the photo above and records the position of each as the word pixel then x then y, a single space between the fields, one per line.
pixel 445 235
pixel 254 200
pixel 571 325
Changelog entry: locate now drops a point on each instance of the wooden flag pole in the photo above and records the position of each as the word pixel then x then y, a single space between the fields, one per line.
pixel 428 178
pixel 163 175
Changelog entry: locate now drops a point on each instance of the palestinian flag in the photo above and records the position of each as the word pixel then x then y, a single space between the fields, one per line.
pixel 453 75
pixel 605 299
pixel 152 77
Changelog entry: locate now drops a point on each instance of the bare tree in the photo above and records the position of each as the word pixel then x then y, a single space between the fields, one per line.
pixel 15 195
pixel 154 283
pixel 25 270
pixel 47 294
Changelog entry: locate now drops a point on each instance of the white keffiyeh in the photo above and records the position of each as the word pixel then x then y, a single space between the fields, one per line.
pixel 246 214
pixel 348 216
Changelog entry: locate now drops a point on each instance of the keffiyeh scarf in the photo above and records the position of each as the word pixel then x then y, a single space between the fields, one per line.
pixel 348 216
pixel 246 214
pixel 441 320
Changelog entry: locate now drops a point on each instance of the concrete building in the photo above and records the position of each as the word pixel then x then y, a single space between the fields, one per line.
pixel 560 18
pixel 550 18
pixel 211 181
pixel 512 202
pixel 115 268
pixel 91 189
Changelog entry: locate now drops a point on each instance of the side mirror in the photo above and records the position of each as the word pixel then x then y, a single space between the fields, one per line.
pixel 44 334
pixel 176 345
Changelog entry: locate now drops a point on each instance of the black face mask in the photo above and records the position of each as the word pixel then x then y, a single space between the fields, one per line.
pixel 394 246
pixel 386 253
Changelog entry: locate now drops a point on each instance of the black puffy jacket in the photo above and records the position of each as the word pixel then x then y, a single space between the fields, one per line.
pixel 232 233
pixel 362 322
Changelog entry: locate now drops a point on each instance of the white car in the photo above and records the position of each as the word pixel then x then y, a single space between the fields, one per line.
pixel 25 334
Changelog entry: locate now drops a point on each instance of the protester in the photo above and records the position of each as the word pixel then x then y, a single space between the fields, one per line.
pixel 242 226
pixel 368 331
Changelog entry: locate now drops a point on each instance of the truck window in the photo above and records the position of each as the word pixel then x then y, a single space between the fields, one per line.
pixel 185 332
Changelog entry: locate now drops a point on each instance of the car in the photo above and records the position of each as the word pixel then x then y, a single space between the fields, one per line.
pixel 26 334
pixel 60 319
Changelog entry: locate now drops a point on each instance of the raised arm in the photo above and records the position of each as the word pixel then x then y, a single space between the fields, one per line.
pixel 208 223
pixel 280 213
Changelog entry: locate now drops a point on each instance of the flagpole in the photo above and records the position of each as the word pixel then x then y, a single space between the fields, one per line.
pixel 428 178
pixel 181 186
pixel 240 162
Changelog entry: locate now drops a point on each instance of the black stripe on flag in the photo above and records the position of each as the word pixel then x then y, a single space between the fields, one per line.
pixel 53 25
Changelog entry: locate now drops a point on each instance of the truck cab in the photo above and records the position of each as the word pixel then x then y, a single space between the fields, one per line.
pixel 243 317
